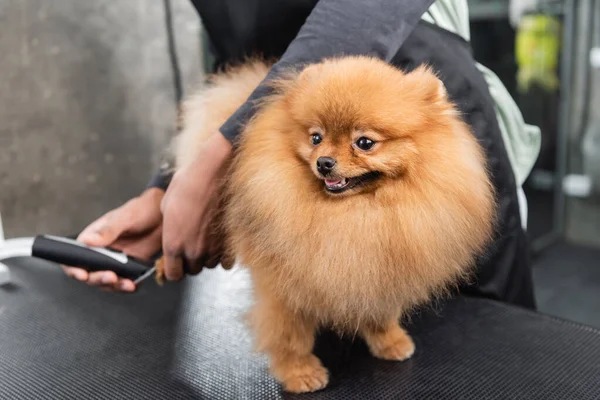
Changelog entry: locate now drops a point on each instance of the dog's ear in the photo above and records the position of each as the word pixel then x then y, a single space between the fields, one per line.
pixel 310 72
pixel 293 78
pixel 426 80
pixel 300 81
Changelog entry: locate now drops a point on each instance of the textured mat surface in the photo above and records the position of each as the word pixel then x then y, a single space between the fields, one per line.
pixel 59 339
pixel 567 283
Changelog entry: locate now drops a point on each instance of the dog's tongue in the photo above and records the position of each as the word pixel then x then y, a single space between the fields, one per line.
pixel 331 182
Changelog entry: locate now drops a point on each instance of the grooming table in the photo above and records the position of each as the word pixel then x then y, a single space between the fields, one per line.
pixel 62 340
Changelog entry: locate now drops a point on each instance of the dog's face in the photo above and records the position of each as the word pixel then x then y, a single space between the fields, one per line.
pixel 348 161
pixel 355 123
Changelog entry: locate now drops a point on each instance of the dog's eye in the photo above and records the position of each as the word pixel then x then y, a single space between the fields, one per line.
pixel 316 138
pixel 364 143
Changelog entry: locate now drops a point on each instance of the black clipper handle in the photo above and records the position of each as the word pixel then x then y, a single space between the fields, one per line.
pixel 66 251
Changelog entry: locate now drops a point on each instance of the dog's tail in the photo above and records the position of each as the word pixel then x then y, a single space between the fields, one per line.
pixel 204 112
pixel 201 115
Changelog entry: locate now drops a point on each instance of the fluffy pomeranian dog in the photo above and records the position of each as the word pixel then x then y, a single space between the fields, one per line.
pixel 356 193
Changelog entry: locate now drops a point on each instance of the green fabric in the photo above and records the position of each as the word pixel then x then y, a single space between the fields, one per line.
pixel 537 47
pixel 522 141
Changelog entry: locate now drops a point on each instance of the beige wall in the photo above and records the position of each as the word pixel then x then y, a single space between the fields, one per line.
pixel 86 105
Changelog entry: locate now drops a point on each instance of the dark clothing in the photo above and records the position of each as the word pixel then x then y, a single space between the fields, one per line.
pixel 391 30
pixel 505 272
pixel 332 28
pixel 298 32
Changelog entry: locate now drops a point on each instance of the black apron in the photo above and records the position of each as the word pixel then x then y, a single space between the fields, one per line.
pixel 241 28
pixel 505 271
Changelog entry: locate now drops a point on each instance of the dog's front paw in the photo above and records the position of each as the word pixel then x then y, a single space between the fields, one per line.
pixel 400 350
pixel 392 343
pixel 308 375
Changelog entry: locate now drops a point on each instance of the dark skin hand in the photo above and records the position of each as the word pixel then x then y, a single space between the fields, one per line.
pixel 189 207
pixel 134 228
pixel 178 221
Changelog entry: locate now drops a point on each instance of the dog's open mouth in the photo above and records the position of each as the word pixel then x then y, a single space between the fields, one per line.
pixel 340 185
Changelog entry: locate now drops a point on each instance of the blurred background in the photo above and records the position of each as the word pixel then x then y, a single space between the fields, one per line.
pixel 88 102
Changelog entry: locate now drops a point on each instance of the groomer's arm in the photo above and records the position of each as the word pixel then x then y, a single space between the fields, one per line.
pixel 161 180
pixel 340 27
pixel 334 28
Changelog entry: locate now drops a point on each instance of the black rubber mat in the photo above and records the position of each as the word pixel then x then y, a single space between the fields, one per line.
pixel 567 283
pixel 62 340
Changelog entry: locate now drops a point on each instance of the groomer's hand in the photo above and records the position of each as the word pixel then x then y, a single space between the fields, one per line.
pixel 188 209
pixel 134 228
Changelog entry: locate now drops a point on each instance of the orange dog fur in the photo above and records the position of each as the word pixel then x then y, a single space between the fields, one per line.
pixel 353 260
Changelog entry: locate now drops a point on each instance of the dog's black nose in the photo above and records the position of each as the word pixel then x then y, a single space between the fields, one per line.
pixel 325 165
